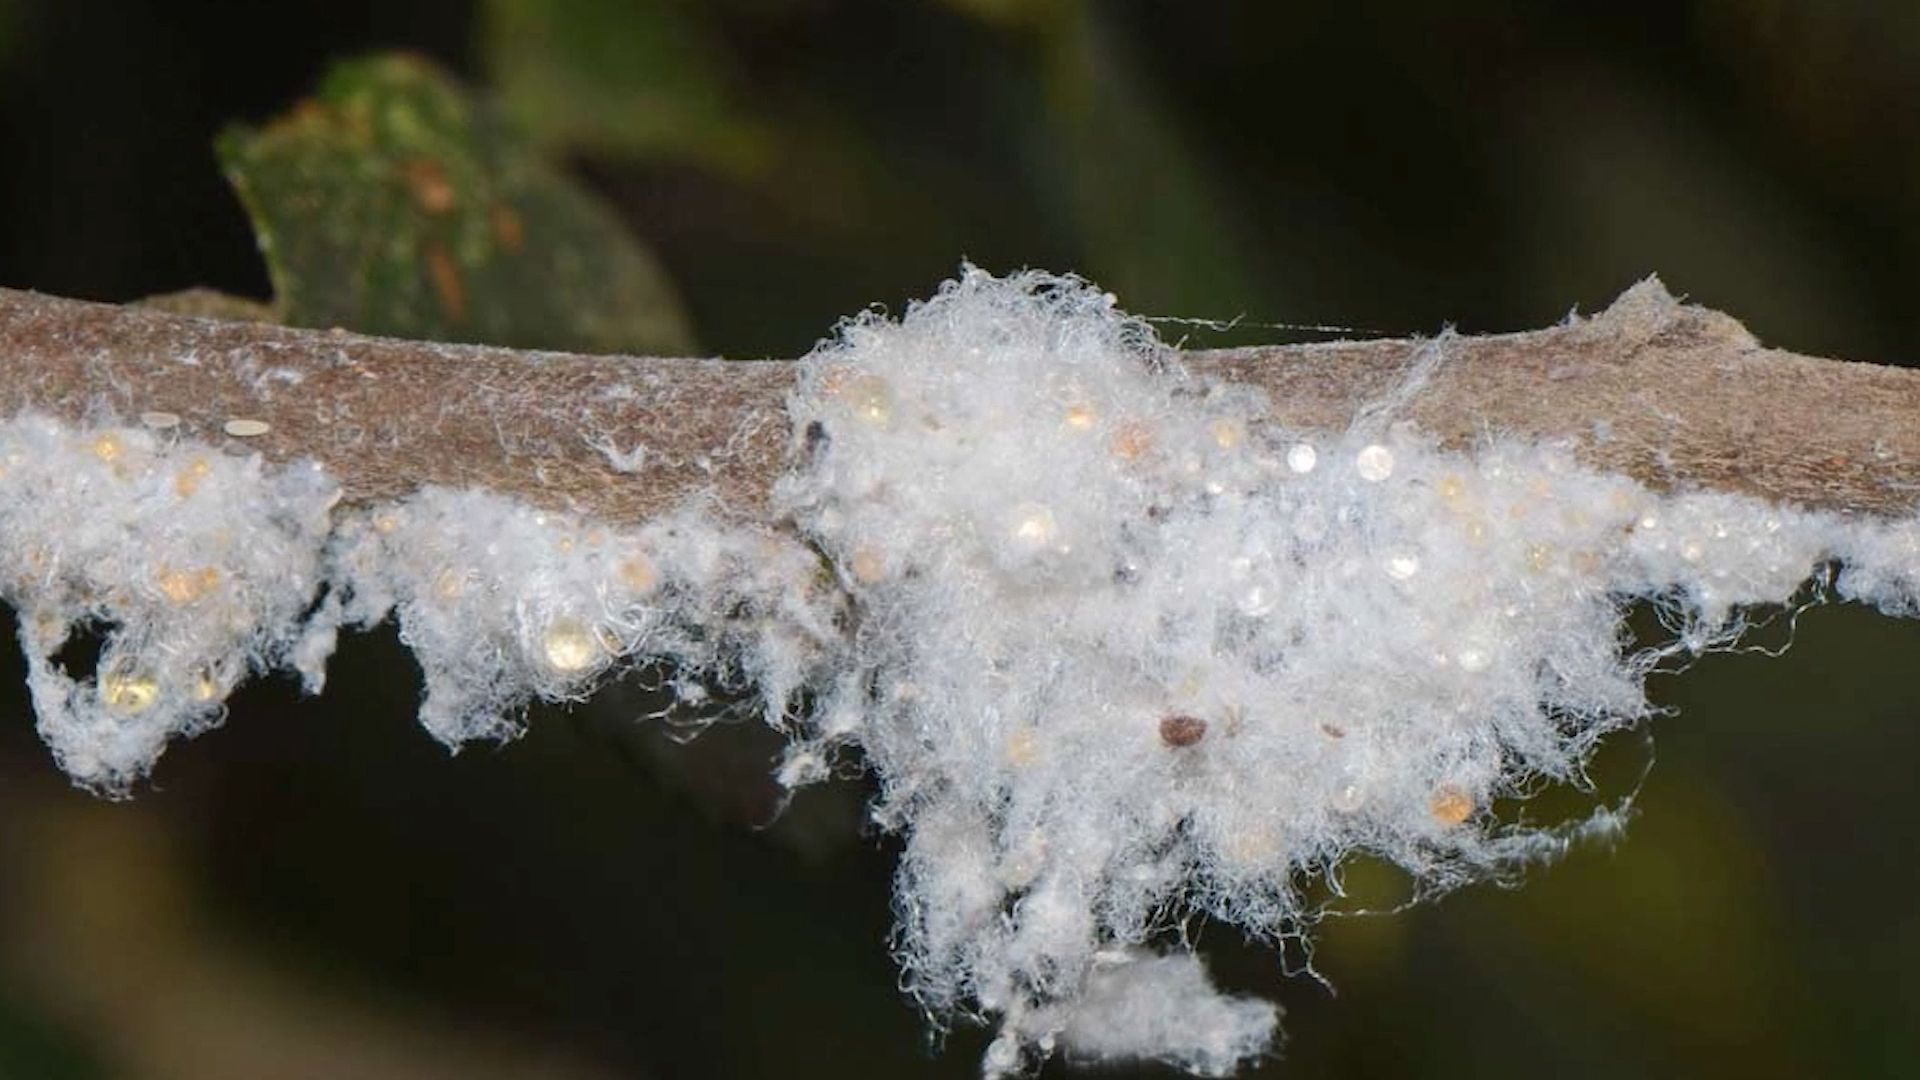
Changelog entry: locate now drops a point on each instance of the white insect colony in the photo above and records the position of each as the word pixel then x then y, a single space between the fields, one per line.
pixel 501 603
pixel 200 567
pixel 1117 647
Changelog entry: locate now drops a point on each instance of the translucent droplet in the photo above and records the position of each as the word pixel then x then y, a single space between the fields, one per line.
pixel 870 398
pixel 1374 463
pixel 1450 804
pixel 187 480
pixel 570 646
pixel 1002 1056
pixel 185 586
pixel 1402 565
pixel 128 692
pixel 1033 526
pixel 638 572
pixel 1133 441
pixel 1302 457
pixel 1539 557
pixel 1079 417
pixel 1022 748
pixel 1255 601
pixel 868 564
pixel 1349 790
pixel 204 686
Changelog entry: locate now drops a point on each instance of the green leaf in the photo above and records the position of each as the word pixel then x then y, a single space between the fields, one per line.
pixel 396 202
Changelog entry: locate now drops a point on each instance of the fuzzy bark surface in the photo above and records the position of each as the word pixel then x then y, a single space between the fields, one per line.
pixel 1674 395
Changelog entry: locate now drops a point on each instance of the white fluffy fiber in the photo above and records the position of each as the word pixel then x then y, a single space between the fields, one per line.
pixel 501 603
pixel 1128 651
pixel 198 566
pixel 1118 648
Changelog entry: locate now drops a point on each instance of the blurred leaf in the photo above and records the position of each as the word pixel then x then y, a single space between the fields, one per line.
pixel 618 78
pixel 31 1044
pixel 1676 934
pixel 1156 225
pixel 395 202
pixel 1014 14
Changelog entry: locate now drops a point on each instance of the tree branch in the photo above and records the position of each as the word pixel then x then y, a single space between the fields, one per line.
pixel 1672 394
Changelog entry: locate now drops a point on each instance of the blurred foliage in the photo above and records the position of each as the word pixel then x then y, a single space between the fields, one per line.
pixel 618 78
pixel 394 202
pixel 1154 218
pixel 32 1046
pixel 1020 14
pixel 1044 88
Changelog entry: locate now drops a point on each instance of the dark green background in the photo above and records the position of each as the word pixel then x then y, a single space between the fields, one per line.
pixel 1390 166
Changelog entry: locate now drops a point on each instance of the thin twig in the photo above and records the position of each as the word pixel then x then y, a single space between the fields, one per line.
pixel 1672 394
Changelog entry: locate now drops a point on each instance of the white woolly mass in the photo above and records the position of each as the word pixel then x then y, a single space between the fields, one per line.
pixel 501 603
pixel 199 567
pixel 1127 650
pixel 1161 1007
pixel 1118 647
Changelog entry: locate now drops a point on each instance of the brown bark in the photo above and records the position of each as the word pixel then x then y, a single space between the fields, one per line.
pixel 1672 394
